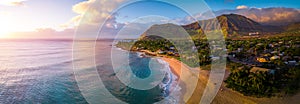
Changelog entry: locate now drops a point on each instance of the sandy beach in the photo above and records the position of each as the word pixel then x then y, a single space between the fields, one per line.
pixel 188 79
pixel 193 91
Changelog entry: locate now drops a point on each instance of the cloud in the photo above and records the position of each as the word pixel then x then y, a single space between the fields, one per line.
pixel 269 16
pixel 93 13
pixel 48 33
pixel 12 2
pixel 4 13
pixel 96 10
pixel 241 7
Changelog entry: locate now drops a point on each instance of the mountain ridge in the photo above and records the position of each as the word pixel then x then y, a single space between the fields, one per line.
pixel 231 25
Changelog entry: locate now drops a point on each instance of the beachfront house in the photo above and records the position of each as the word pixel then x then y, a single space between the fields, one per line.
pixel 161 52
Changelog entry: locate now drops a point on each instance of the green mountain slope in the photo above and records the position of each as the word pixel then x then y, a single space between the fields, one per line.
pixel 232 25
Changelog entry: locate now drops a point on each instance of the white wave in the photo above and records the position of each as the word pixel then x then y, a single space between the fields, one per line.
pixel 140 54
pixel 118 49
pixel 171 89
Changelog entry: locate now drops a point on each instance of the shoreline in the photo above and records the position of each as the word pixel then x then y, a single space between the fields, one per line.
pixel 176 68
pixel 188 96
pixel 224 95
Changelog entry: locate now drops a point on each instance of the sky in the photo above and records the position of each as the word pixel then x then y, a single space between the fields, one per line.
pixel 232 4
pixel 61 18
pixel 39 13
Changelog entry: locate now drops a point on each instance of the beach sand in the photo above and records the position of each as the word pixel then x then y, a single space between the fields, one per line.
pixel 188 79
pixel 193 87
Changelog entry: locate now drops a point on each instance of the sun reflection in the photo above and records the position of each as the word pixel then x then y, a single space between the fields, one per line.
pixel 5 25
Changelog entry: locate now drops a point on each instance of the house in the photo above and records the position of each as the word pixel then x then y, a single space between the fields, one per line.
pixel 215 58
pixel 267 54
pixel 172 48
pixel 280 54
pixel 161 52
pixel 262 59
pixel 250 51
pixel 171 52
pixel 176 54
pixel 218 47
pixel 240 49
pixel 285 58
pixel 258 69
pixel 194 49
pixel 275 57
pixel 297 58
pixel 253 33
pixel 274 52
pixel 260 44
pixel 293 62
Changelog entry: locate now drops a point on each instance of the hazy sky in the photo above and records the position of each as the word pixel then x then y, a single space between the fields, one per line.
pixel 232 4
pixel 32 14
pixel 43 18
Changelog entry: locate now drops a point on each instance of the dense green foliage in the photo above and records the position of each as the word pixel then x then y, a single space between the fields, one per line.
pixel 263 84
pixel 184 53
pixel 285 80
pixel 249 83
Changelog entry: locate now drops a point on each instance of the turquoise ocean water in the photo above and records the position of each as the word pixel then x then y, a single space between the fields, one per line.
pixel 41 71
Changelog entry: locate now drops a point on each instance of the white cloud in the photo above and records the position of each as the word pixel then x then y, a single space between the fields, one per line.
pixel 92 14
pixel 269 16
pixel 96 10
pixel 12 2
pixel 4 13
pixel 241 7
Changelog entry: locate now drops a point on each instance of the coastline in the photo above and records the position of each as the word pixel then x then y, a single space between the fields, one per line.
pixel 183 81
pixel 225 95
pixel 174 65
pixel 188 96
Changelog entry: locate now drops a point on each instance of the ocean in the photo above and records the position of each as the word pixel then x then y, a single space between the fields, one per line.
pixel 41 71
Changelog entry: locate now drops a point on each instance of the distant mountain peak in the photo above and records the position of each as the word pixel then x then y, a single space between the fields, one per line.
pixel 231 25
pixel 275 16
